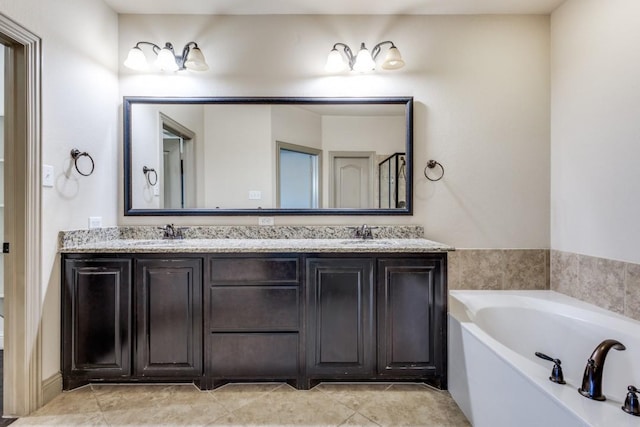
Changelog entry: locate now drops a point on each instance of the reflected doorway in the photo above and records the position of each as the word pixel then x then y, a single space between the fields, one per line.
pixel 352 179
pixel 298 176
pixel 178 165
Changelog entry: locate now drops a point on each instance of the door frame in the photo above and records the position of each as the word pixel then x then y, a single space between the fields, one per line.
pixel 22 354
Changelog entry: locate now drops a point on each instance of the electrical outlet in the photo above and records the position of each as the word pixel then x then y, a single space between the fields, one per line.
pixel 255 195
pixel 266 220
pixel 156 191
pixel 95 221
pixel 47 176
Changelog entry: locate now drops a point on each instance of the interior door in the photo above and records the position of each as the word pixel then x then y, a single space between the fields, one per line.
pixel 352 180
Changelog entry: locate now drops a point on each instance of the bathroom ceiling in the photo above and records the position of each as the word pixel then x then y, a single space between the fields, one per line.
pixel 335 7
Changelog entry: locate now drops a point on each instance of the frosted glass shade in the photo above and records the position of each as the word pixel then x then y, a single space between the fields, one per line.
pixel 166 60
pixel 195 60
pixel 136 60
pixel 335 62
pixel 364 62
pixel 393 60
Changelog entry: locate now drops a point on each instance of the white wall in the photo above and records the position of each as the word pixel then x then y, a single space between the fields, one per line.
pixel 595 138
pixel 79 110
pixel 480 84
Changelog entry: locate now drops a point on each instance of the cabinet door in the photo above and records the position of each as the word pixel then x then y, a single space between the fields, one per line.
pixel 96 313
pixel 411 316
pixel 169 317
pixel 340 317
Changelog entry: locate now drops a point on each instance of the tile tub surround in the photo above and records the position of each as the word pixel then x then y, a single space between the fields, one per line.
pixel 81 237
pixel 272 404
pixel 609 284
pixel 498 269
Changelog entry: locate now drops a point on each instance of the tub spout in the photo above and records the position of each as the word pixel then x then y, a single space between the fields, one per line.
pixel 592 378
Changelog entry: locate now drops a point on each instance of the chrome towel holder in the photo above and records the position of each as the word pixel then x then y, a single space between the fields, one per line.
pixel 147 173
pixel 430 165
pixel 76 154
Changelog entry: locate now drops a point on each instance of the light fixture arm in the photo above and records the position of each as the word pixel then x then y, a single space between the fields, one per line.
pixel 378 48
pixel 154 46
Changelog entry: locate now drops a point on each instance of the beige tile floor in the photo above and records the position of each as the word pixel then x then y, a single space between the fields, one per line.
pixel 271 404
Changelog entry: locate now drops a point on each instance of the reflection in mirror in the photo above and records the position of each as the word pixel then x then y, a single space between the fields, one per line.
pixel 393 181
pixel 275 155
pixel 298 176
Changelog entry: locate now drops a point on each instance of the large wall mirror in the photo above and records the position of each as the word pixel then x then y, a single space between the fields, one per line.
pixel 268 156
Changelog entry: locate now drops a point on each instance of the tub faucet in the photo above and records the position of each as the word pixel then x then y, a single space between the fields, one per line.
pixel 592 378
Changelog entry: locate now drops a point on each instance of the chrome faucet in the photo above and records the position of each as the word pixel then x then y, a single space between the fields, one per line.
pixel 171 232
pixel 363 232
pixel 592 378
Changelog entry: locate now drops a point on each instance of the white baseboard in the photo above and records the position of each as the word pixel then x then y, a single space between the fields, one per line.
pixel 51 387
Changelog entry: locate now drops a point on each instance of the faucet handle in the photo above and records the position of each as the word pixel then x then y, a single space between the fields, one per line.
pixel 556 373
pixel 631 404
pixel 357 231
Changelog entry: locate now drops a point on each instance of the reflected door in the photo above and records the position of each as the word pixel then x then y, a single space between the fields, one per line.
pixel 173 169
pixel 352 180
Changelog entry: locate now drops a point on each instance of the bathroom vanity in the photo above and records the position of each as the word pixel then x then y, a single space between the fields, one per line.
pixel 211 311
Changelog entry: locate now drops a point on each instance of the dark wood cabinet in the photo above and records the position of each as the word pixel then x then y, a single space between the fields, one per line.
pixel 168 317
pixel 215 318
pixel 411 318
pixel 254 310
pixel 340 318
pixel 96 311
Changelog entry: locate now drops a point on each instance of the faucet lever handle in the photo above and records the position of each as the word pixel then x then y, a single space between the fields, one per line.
pixel 631 403
pixel 556 373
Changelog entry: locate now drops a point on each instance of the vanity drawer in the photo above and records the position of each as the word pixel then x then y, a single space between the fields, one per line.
pixel 257 355
pixel 253 271
pixel 256 308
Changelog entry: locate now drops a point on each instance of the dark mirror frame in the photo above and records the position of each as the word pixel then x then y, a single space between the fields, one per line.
pixel 129 101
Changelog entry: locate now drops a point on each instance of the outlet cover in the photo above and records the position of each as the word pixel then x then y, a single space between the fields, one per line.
pixel 266 220
pixel 255 195
pixel 95 221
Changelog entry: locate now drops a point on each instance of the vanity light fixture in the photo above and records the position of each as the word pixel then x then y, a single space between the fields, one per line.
pixel 166 58
pixel 364 60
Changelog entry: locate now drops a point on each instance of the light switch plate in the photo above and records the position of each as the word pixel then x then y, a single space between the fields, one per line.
pixel 255 195
pixel 95 221
pixel 47 176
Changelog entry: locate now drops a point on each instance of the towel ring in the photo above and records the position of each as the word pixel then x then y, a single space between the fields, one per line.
pixel 147 172
pixel 75 155
pixel 430 165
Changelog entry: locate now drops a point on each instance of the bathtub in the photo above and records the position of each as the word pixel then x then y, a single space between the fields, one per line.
pixel 496 379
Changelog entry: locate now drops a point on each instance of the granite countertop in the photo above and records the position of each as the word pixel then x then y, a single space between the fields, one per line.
pixel 415 245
